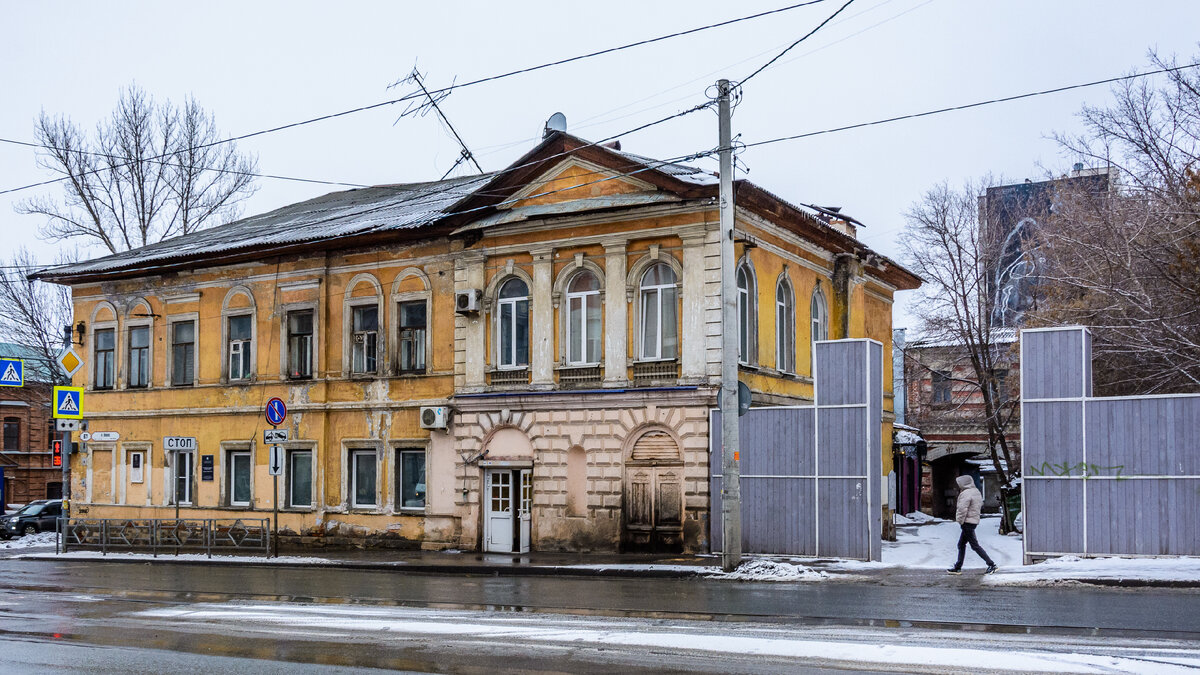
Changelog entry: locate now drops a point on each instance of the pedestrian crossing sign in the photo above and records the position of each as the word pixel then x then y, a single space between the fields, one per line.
pixel 68 403
pixel 12 373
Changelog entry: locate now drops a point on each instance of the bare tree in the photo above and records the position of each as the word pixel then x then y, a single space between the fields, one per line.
pixel 33 313
pixel 1126 261
pixel 149 172
pixel 945 243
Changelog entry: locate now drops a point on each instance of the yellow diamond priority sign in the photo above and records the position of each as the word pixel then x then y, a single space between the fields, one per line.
pixel 69 361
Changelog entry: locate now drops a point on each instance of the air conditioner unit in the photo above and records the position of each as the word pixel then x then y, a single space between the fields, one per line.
pixel 434 417
pixel 468 301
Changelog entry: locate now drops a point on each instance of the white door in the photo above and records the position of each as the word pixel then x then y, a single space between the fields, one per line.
pixel 498 511
pixel 526 507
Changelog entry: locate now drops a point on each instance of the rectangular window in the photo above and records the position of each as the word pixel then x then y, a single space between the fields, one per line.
pixel 300 478
pixel 240 476
pixel 362 468
pixel 12 433
pixel 240 347
pixel 366 336
pixel 139 356
pixel 183 353
pixel 300 344
pixel 105 348
pixel 412 336
pixel 184 469
pixel 410 478
pixel 941 387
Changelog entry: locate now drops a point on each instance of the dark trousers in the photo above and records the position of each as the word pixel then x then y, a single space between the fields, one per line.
pixel 968 537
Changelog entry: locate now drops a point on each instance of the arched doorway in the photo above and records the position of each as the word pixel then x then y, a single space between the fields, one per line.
pixel 507 491
pixel 653 494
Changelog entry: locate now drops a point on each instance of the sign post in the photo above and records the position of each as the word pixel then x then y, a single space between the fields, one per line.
pixel 276 413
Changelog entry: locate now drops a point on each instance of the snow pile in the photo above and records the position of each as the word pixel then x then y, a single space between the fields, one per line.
pixel 770 570
pixel 914 518
pixel 1072 568
pixel 32 541
pixel 907 437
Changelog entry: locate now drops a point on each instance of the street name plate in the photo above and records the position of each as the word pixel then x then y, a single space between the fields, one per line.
pixel 107 436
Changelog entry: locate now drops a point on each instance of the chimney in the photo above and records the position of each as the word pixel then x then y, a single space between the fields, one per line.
pixel 844 226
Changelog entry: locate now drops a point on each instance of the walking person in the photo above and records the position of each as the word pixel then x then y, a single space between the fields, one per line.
pixel 970 501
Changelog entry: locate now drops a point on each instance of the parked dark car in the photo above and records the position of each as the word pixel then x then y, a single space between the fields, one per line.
pixel 38 516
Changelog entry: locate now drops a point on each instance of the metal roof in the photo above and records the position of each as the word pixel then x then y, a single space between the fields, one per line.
pixel 375 209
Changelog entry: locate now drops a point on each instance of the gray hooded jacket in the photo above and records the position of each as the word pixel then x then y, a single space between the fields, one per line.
pixel 970 501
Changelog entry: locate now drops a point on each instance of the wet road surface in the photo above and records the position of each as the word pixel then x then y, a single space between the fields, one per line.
pixel 137 617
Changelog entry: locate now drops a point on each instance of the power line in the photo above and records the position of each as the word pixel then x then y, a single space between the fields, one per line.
pixel 129 160
pixel 971 105
pixel 453 87
pixel 793 45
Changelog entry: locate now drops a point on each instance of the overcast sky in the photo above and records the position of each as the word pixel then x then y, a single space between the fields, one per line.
pixel 257 65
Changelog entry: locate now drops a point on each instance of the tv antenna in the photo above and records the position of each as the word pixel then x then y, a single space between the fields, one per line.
pixel 431 103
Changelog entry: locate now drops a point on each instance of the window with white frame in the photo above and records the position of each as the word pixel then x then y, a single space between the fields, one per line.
pixel 413 319
pixel 512 324
pixel 410 478
pixel 240 346
pixel 365 336
pixel 819 322
pixel 139 356
pixel 659 324
pixel 185 469
pixel 785 326
pixel 183 353
pixel 300 344
pixel 105 351
pixel 363 479
pixel 240 473
pixel 300 478
pixel 583 319
pixel 747 312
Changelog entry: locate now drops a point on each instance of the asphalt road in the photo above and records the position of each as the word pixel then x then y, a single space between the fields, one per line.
pixel 138 617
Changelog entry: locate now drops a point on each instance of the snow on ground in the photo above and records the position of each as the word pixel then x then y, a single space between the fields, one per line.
pixel 761 569
pixel 935 546
pixel 42 539
pixel 1056 570
pixel 915 518
pixel 893 651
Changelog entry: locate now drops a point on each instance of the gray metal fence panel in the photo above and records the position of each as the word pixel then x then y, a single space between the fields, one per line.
pixel 811 475
pixel 1116 475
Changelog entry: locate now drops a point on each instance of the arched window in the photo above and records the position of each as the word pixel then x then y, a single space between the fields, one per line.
pixel 747 312
pixel 820 316
pixel 785 326
pixel 660 327
pixel 512 325
pixel 583 319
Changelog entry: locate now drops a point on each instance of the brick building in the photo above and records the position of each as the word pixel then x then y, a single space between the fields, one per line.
pixel 25 453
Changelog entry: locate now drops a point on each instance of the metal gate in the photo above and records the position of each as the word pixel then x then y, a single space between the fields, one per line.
pixel 1103 476
pixel 811 475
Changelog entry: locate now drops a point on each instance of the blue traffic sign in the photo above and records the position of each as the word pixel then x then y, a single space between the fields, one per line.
pixel 276 411
pixel 68 403
pixel 12 373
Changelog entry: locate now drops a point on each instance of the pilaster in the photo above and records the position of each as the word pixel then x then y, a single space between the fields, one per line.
pixel 616 317
pixel 542 322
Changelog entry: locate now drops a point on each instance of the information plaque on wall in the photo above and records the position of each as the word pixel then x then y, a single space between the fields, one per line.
pixel 206 467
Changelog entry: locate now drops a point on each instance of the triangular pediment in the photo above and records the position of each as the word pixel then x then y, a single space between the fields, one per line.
pixel 575 178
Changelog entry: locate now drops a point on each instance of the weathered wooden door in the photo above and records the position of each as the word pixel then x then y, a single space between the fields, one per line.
pixel 653 509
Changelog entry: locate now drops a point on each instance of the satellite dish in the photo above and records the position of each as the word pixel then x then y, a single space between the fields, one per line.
pixel 557 122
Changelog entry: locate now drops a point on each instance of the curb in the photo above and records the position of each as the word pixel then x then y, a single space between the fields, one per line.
pixel 414 568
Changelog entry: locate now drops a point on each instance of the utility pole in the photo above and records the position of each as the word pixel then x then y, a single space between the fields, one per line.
pixel 731 492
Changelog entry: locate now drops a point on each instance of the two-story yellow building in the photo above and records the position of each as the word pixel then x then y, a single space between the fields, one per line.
pixel 525 359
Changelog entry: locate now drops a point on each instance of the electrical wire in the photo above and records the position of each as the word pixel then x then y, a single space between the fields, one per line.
pixel 456 86
pixel 968 106
pixel 789 48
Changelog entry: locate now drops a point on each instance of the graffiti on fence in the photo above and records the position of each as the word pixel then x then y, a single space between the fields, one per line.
pixel 1080 469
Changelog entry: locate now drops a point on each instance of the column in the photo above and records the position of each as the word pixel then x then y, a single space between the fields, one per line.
pixel 692 334
pixel 542 328
pixel 616 317
pixel 470 345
